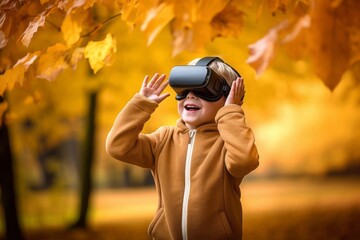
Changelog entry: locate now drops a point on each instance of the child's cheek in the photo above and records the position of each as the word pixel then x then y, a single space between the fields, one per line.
pixel 180 106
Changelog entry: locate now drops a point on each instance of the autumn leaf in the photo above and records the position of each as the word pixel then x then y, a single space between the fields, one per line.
pixel 11 77
pixel 100 53
pixel 191 29
pixel 328 38
pixel 76 13
pixel 228 23
pixel 28 60
pixel 77 55
pixel 326 32
pixel 288 34
pixel 16 75
pixel 129 11
pixel 157 18
pixel 52 63
pixel 262 51
pixel 3 40
pixel 133 12
pixel 71 27
pixel 275 5
pixel 191 39
pixel 27 35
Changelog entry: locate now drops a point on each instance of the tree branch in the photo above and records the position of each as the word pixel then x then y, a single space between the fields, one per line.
pixel 97 27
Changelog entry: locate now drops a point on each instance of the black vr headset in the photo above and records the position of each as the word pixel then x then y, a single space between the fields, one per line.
pixel 200 79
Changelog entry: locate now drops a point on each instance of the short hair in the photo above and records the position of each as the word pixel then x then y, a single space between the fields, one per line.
pixel 221 68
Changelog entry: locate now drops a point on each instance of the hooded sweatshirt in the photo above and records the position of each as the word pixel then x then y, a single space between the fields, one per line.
pixel 197 173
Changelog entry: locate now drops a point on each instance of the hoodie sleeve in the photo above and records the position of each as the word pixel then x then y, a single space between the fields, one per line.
pixel 124 141
pixel 241 153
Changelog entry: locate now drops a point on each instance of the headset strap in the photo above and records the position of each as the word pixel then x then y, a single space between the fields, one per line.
pixel 207 60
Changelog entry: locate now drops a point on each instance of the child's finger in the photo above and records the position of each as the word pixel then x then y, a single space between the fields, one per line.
pixel 159 81
pixel 233 89
pixel 153 80
pixel 144 83
pixel 162 87
pixel 237 88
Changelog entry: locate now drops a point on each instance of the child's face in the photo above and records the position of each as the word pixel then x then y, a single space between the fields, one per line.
pixel 196 111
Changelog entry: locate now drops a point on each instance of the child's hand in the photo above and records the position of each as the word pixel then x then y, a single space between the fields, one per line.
pixel 154 88
pixel 237 92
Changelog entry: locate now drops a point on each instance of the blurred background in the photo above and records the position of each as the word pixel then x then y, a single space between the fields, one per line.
pixel 308 137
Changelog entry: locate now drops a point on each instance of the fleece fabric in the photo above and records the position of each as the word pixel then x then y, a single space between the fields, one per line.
pixel 223 153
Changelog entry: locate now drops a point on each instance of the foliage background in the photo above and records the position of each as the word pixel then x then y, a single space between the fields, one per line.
pixel 304 125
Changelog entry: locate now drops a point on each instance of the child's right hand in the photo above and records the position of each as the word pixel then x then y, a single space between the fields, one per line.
pixel 152 89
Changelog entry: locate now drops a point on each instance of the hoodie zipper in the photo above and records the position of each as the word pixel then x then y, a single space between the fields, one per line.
pixel 187 184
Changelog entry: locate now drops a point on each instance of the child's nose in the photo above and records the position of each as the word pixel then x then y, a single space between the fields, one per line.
pixel 191 95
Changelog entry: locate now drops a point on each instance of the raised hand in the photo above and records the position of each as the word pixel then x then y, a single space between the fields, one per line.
pixel 152 89
pixel 237 92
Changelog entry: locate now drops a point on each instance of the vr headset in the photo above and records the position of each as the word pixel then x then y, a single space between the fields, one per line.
pixel 199 79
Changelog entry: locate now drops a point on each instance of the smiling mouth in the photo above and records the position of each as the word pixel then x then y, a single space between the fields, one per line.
pixel 191 107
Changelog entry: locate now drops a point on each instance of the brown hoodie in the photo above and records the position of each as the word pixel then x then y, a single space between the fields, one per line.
pixel 197 172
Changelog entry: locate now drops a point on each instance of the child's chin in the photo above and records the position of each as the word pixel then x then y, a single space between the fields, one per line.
pixel 190 124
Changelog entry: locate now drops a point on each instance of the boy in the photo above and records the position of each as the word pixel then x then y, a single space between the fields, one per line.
pixel 199 164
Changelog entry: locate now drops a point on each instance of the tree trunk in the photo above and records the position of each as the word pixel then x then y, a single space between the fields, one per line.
pixel 7 186
pixel 87 164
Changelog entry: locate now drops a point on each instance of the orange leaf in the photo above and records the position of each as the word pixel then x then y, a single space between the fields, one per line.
pixel 76 56
pixel 33 26
pixel 52 63
pixel 192 39
pixel 3 40
pixel 191 29
pixel 157 18
pixel 16 74
pixel 228 23
pixel 261 52
pixel 11 77
pixel 328 38
pixel 134 12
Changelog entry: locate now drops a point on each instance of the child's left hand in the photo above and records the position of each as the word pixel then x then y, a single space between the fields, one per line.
pixel 237 92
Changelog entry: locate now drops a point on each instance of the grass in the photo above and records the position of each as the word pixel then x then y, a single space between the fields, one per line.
pixel 299 209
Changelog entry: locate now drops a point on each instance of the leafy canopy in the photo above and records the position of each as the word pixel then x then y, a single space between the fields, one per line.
pixel 323 31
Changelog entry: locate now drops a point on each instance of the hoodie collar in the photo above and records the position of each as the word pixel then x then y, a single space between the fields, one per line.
pixel 209 127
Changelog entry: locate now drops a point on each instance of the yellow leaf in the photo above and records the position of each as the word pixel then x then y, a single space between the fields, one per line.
pixel 157 18
pixel 128 10
pixel 76 56
pixel 52 63
pixel 33 26
pixel 16 74
pixel 101 53
pixel 72 26
pixel 134 11
pixel 11 77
